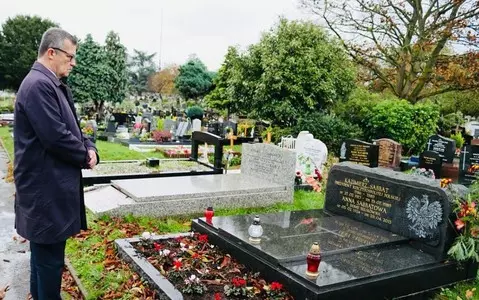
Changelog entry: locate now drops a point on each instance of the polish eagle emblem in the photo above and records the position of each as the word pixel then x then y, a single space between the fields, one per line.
pixel 423 215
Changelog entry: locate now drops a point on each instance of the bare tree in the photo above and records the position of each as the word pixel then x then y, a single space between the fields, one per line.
pixel 401 42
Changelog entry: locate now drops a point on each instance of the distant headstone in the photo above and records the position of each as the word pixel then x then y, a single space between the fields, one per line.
pixel 168 124
pixel 413 207
pixel 431 160
pixel 111 127
pixel 359 152
pixel 445 147
pixel 213 127
pixel 389 153
pixel 180 129
pixel 184 128
pixel 469 164
pixel 228 125
pixel 473 128
pixel 312 154
pixel 270 162
pixel 154 123
pixel 196 125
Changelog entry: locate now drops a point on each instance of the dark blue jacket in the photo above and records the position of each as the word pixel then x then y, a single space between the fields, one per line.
pixel 50 151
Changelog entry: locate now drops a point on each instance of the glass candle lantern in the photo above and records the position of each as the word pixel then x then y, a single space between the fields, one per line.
pixel 209 213
pixel 255 231
pixel 313 259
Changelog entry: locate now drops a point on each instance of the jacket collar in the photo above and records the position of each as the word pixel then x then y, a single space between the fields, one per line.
pixel 41 68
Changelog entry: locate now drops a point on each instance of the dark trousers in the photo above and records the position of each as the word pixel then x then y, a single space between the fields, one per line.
pixel 46 268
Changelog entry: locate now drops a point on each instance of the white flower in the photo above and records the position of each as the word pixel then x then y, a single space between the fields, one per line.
pixel 192 277
pixel 182 245
pixel 161 253
pixel 183 249
pixel 212 246
pixel 191 247
pixel 192 234
pixel 146 235
pixel 166 252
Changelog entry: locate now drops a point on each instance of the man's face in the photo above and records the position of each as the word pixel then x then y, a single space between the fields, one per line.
pixel 64 59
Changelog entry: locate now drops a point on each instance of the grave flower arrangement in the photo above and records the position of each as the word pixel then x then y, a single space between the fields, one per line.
pixel 136 132
pixel 88 130
pixel 178 152
pixel 466 244
pixel 200 270
pixel 313 180
pixel 423 172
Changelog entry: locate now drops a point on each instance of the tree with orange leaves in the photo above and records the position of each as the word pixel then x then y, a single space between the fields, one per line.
pixel 163 82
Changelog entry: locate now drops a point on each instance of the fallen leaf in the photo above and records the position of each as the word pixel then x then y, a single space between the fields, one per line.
pixel 226 261
pixel 3 292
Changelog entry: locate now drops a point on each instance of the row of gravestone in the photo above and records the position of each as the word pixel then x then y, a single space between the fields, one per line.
pixel 178 127
pixel 438 156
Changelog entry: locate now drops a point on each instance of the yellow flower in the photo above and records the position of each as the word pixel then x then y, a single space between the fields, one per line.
pixel 470 293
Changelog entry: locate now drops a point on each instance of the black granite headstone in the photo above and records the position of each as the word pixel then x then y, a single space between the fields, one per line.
pixel 412 206
pixel 111 127
pixel 431 160
pixel 359 152
pixel 469 164
pixel 230 125
pixel 446 148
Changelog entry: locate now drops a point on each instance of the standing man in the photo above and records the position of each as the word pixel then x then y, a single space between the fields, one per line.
pixel 50 152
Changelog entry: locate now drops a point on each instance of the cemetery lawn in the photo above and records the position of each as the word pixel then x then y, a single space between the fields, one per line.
pixel 107 150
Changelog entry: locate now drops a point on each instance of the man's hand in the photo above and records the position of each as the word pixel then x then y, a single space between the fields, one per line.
pixel 93 161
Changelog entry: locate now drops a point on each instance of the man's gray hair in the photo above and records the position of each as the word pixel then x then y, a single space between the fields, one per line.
pixel 54 38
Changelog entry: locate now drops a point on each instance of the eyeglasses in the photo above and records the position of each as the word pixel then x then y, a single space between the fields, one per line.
pixel 70 56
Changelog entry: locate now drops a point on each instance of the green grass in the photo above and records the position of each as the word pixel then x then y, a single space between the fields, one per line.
pixel 7 140
pixel 113 151
pixel 106 150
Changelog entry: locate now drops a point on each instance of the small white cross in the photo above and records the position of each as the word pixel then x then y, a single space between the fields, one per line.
pixel 429 145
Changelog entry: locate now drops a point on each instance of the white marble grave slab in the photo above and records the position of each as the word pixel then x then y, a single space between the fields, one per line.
pixel 169 188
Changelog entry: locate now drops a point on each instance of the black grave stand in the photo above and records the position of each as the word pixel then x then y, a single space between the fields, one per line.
pixel 211 139
pixel 198 137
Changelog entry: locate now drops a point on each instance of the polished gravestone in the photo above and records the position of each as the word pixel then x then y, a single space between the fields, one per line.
pixel 376 239
pixel 288 235
pixel 359 152
pixel 469 164
pixel 445 147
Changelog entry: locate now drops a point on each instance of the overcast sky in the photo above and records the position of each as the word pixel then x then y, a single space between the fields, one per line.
pixel 203 27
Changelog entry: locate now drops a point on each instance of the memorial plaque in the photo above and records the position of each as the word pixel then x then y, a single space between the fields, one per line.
pixel 431 160
pixel 389 153
pixel 446 148
pixel 410 206
pixel 469 164
pixel 359 152
pixel 268 162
